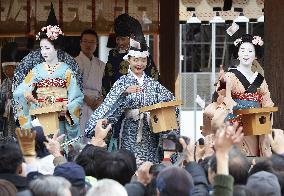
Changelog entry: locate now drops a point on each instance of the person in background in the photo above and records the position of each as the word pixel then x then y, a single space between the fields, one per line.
pixel 7 119
pixel 93 70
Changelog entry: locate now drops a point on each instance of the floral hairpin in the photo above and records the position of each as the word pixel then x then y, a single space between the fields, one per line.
pixel 256 40
pixel 238 41
pixel 52 32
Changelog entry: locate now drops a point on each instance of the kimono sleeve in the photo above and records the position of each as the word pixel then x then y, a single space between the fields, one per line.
pixel 75 99
pixel 264 91
pixel 163 93
pixel 21 105
pixel 112 108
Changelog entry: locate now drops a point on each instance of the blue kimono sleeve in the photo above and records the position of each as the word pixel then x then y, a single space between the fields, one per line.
pixel 22 107
pixel 75 99
pixel 112 108
pixel 164 94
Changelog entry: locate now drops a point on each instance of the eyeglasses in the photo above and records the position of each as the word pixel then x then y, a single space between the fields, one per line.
pixel 88 42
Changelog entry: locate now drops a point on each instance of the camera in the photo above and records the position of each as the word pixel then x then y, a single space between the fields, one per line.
pixel 171 142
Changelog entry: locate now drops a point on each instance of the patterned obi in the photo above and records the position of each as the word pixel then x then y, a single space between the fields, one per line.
pixel 51 90
pixel 56 82
pixel 244 101
pixel 51 99
pixel 248 97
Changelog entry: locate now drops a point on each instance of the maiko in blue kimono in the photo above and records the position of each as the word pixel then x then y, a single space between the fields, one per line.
pixel 47 83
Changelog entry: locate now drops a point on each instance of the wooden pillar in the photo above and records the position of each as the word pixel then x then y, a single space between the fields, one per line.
pixel 274 58
pixel 169 42
pixel 28 16
pixel 60 21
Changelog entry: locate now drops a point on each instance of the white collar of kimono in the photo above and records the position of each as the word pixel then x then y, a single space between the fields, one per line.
pixel 136 54
pixel 139 80
pixel 85 57
pixel 249 78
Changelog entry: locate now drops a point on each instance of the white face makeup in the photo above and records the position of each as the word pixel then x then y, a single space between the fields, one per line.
pixel 47 50
pixel 246 54
pixel 137 65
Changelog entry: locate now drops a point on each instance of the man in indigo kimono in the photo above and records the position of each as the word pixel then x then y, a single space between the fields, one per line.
pixel 128 30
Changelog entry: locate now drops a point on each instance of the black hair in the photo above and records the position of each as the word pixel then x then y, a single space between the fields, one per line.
pixel 151 188
pixel 238 166
pixel 156 169
pixel 57 43
pixel 127 154
pixel 205 165
pixel 268 166
pixel 89 157
pixel 277 162
pixel 263 165
pixel 89 31
pixel 11 157
pixel 116 166
pixel 40 148
pixel 247 38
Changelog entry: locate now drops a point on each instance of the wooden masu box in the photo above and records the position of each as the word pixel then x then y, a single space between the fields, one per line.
pixel 162 115
pixel 48 117
pixel 256 121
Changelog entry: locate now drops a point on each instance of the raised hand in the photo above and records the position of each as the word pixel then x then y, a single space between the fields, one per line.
pixel 26 139
pixel 188 149
pixel 226 136
pixel 276 142
pixel 143 175
pixel 100 133
pixel 53 145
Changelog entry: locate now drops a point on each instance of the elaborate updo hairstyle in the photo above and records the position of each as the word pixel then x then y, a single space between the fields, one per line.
pixel 53 34
pixel 256 41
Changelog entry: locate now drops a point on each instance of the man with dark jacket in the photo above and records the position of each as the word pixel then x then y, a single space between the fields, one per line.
pixel 11 165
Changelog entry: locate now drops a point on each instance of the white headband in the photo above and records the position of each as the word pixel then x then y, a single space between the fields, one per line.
pixel 9 63
pixel 136 54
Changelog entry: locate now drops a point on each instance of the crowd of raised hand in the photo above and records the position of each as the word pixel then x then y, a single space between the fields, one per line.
pixel 217 168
